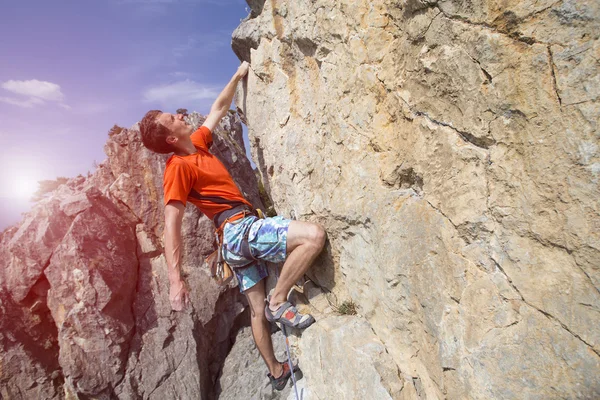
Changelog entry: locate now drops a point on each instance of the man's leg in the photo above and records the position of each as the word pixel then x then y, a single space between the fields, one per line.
pixel 261 329
pixel 305 240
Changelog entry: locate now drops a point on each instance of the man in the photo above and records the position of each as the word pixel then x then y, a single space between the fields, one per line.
pixel 193 174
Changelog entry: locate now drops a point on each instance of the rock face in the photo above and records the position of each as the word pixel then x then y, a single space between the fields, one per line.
pixel 84 291
pixel 451 150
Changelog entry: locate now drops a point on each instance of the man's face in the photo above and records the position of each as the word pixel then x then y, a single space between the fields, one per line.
pixel 175 124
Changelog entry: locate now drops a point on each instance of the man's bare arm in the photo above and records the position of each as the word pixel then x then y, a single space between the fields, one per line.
pixel 178 291
pixel 223 102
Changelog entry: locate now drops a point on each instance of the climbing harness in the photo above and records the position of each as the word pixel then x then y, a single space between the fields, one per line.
pixel 220 270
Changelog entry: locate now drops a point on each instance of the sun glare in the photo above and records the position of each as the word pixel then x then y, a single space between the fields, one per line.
pixel 21 183
pixel 24 187
pixel 19 186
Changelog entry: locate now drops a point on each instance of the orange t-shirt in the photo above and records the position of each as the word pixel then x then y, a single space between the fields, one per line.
pixel 201 179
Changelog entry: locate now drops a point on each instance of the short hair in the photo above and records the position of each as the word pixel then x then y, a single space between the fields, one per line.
pixel 154 134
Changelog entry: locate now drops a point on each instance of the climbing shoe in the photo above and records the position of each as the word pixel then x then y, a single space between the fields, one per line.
pixel 279 383
pixel 289 315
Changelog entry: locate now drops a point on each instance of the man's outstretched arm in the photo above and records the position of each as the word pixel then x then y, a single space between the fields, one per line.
pixel 223 101
pixel 178 292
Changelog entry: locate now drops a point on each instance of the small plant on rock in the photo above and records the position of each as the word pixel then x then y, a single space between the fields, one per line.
pixel 347 308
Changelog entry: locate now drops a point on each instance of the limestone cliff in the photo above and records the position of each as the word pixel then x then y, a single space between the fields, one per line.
pixel 84 309
pixel 451 150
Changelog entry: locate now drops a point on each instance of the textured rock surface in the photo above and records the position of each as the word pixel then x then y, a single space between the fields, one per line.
pixel 451 149
pixel 342 358
pixel 83 288
pixel 244 372
pixel 92 275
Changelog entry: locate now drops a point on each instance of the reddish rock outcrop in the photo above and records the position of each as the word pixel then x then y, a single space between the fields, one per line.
pixel 84 292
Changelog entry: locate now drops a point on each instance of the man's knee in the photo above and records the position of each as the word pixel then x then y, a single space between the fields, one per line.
pixel 256 300
pixel 257 314
pixel 317 236
pixel 306 234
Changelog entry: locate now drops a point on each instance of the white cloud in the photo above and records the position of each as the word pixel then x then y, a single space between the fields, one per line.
pixel 34 88
pixel 25 103
pixel 180 94
pixel 36 92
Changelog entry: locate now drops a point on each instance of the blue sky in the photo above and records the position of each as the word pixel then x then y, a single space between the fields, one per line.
pixel 71 69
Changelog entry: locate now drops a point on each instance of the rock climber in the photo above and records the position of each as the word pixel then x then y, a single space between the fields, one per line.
pixel 193 174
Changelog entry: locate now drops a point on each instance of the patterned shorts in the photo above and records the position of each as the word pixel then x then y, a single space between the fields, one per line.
pixel 268 242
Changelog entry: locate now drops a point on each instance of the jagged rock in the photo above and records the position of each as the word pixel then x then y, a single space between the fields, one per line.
pixel 451 151
pixel 93 275
pixel 29 367
pixel 28 249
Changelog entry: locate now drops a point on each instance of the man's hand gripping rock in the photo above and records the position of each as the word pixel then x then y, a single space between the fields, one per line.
pixel 179 295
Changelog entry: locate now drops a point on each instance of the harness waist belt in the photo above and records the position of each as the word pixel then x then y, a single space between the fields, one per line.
pixel 219 218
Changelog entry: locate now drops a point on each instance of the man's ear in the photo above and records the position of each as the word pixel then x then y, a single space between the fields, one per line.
pixel 171 139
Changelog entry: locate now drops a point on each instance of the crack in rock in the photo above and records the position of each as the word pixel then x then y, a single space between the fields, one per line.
pixel 545 313
pixel 481 142
pixel 553 74
pixel 508 19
